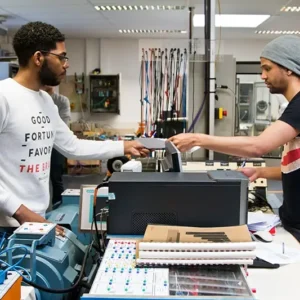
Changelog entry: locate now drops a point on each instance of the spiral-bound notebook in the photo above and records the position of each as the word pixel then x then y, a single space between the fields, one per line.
pixel 176 245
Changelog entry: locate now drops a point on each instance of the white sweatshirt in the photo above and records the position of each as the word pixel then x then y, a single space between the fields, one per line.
pixel 29 127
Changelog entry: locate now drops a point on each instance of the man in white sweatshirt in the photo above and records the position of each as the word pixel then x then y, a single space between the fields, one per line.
pixel 30 127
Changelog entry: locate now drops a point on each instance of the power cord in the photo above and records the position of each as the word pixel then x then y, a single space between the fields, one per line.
pixel 103 184
pixel 225 87
pixel 103 211
pixel 15 266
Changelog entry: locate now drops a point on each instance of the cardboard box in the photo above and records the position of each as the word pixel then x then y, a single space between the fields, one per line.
pixel 180 234
pixel 187 246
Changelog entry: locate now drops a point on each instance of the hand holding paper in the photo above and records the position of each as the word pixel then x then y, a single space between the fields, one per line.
pixel 184 141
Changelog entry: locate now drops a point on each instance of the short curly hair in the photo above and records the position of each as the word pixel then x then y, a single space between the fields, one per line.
pixel 35 36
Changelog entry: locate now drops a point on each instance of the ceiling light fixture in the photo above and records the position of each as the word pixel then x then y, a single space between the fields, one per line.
pixel 277 32
pixel 139 7
pixel 290 9
pixel 151 31
pixel 237 21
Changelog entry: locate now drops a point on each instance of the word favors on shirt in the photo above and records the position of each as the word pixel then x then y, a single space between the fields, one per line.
pixel 40 151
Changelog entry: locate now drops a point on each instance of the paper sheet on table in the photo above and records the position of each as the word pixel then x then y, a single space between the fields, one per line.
pixel 277 253
pixel 261 221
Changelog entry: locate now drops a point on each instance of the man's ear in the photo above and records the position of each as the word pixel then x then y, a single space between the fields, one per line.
pixel 289 72
pixel 38 58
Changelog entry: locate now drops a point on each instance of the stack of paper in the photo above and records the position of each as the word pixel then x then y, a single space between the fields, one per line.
pixel 276 253
pixel 258 221
pixel 176 245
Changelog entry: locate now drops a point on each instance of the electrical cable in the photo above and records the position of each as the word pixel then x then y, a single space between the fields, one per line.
pixel 14 268
pixel 198 113
pixel 258 203
pixel 16 265
pixel 103 184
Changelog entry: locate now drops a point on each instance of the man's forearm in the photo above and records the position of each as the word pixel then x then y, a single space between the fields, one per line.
pixel 237 146
pixel 273 173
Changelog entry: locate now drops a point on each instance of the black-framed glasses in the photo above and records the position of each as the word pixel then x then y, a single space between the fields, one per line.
pixel 64 59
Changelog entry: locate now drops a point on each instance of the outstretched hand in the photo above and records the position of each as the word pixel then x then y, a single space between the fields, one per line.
pixel 184 141
pixel 251 173
pixel 135 148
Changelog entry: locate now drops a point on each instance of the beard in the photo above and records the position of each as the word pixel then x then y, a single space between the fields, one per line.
pixel 275 90
pixel 47 76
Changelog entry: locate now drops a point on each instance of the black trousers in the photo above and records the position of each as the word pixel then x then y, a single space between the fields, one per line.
pixel 56 173
pixel 293 231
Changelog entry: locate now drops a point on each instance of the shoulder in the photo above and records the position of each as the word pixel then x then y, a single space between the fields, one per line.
pixel 6 85
pixel 60 99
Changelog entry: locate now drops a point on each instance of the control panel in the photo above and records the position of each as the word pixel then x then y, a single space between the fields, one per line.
pixel 117 274
pixel 119 278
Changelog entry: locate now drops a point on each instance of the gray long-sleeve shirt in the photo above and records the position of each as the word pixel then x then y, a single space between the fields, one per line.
pixel 63 104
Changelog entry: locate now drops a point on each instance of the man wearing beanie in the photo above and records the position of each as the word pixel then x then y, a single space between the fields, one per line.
pixel 280 64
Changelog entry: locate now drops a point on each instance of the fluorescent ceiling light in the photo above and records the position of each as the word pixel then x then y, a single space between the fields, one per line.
pixel 150 31
pixel 238 21
pixel 139 7
pixel 277 32
pixel 290 9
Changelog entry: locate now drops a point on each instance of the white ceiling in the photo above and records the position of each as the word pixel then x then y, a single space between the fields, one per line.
pixel 78 18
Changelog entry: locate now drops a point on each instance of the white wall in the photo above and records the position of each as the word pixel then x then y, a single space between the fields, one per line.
pixel 243 50
pixel 123 56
